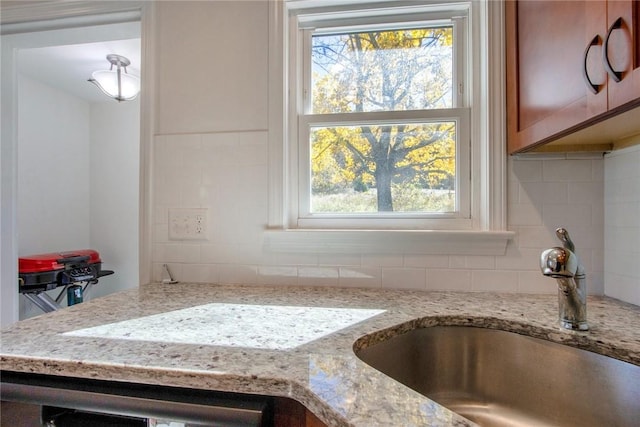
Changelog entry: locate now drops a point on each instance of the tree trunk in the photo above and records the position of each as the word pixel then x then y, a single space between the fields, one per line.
pixel 383 186
pixel 382 155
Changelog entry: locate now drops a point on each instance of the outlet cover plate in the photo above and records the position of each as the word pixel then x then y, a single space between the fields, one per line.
pixel 187 224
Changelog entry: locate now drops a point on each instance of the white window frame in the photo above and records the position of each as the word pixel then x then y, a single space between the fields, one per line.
pixel 483 232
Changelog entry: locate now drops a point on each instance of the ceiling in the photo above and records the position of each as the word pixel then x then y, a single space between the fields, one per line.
pixel 68 67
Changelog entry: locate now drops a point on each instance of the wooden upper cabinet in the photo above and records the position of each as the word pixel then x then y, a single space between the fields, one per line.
pixel 557 77
pixel 623 52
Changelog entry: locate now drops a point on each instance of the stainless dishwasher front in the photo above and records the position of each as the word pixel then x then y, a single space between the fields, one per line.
pixel 71 402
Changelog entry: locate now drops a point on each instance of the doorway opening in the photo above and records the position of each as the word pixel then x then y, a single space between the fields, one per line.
pixel 72 157
pixel 78 158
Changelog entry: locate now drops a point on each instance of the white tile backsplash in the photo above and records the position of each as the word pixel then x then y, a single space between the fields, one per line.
pixel 300 259
pixel 585 192
pixel 278 275
pixel 622 224
pixel 520 214
pixel 450 280
pixel 227 173
pixel 404 278
pixel 426 261
pixel 480 262
pixel 567 170
pixel 361 277
pixel 238 274
pixel 519 259
pixel 532 282
pixel 340 260
pixel 535 193
pixel 535 236
pixel 597 199
pixel 494 281
pixel 200 273
pixel 526 171
pixel 383 260
pixel 318 276
pixel 578 215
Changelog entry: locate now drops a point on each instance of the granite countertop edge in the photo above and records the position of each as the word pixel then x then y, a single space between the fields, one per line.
pixel 363 396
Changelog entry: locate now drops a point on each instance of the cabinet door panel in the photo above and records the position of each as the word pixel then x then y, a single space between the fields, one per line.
pixel 546 47
pixel 549 57
pixel 624 51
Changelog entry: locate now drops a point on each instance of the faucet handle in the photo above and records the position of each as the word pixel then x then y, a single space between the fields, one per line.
pixel 563 235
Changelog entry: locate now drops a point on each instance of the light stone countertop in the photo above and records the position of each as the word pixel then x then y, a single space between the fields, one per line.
pixel 292 342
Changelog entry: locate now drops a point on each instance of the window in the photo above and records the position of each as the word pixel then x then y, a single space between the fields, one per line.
pixel 388 118
pixel 382 119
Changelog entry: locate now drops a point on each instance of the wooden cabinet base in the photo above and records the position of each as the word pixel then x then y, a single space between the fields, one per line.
pixel 289 413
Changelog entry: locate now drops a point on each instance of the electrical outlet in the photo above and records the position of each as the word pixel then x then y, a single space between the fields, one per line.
pixel 187 224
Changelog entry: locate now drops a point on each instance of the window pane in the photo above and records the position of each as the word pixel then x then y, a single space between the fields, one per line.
pixel 396 70
pixel 383 168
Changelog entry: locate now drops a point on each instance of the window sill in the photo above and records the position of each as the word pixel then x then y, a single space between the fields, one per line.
pixel 428 242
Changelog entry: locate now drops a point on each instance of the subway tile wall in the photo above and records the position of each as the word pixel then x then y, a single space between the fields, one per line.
pixel 227 173
pixel 622 224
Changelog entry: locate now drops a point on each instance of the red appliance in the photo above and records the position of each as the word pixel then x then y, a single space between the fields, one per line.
pixel 43 272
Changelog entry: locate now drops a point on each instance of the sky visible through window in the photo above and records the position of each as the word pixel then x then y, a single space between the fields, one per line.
pixel 383 70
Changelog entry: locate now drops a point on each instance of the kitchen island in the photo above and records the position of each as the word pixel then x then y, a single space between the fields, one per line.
pixel 289 342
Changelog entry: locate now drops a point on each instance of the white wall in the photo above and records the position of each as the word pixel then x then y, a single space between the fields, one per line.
pixel 78 181
pixel 211 151
pixel 622 224
pixel 53 174
pixel 211 66
pixel 115 192
pixel 53 169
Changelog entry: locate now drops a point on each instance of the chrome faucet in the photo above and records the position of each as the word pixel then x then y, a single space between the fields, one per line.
pixel 564 265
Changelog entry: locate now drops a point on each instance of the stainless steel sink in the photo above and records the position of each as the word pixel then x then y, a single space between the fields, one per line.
pixel 498 378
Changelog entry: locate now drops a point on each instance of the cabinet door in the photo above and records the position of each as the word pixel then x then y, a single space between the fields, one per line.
pixel 547 55
pixel 623 52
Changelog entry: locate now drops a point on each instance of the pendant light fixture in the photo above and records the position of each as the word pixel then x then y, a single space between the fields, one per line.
pixel 117 84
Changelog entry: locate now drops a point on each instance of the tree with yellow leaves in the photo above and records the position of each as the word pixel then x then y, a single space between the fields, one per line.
pixel 391 70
